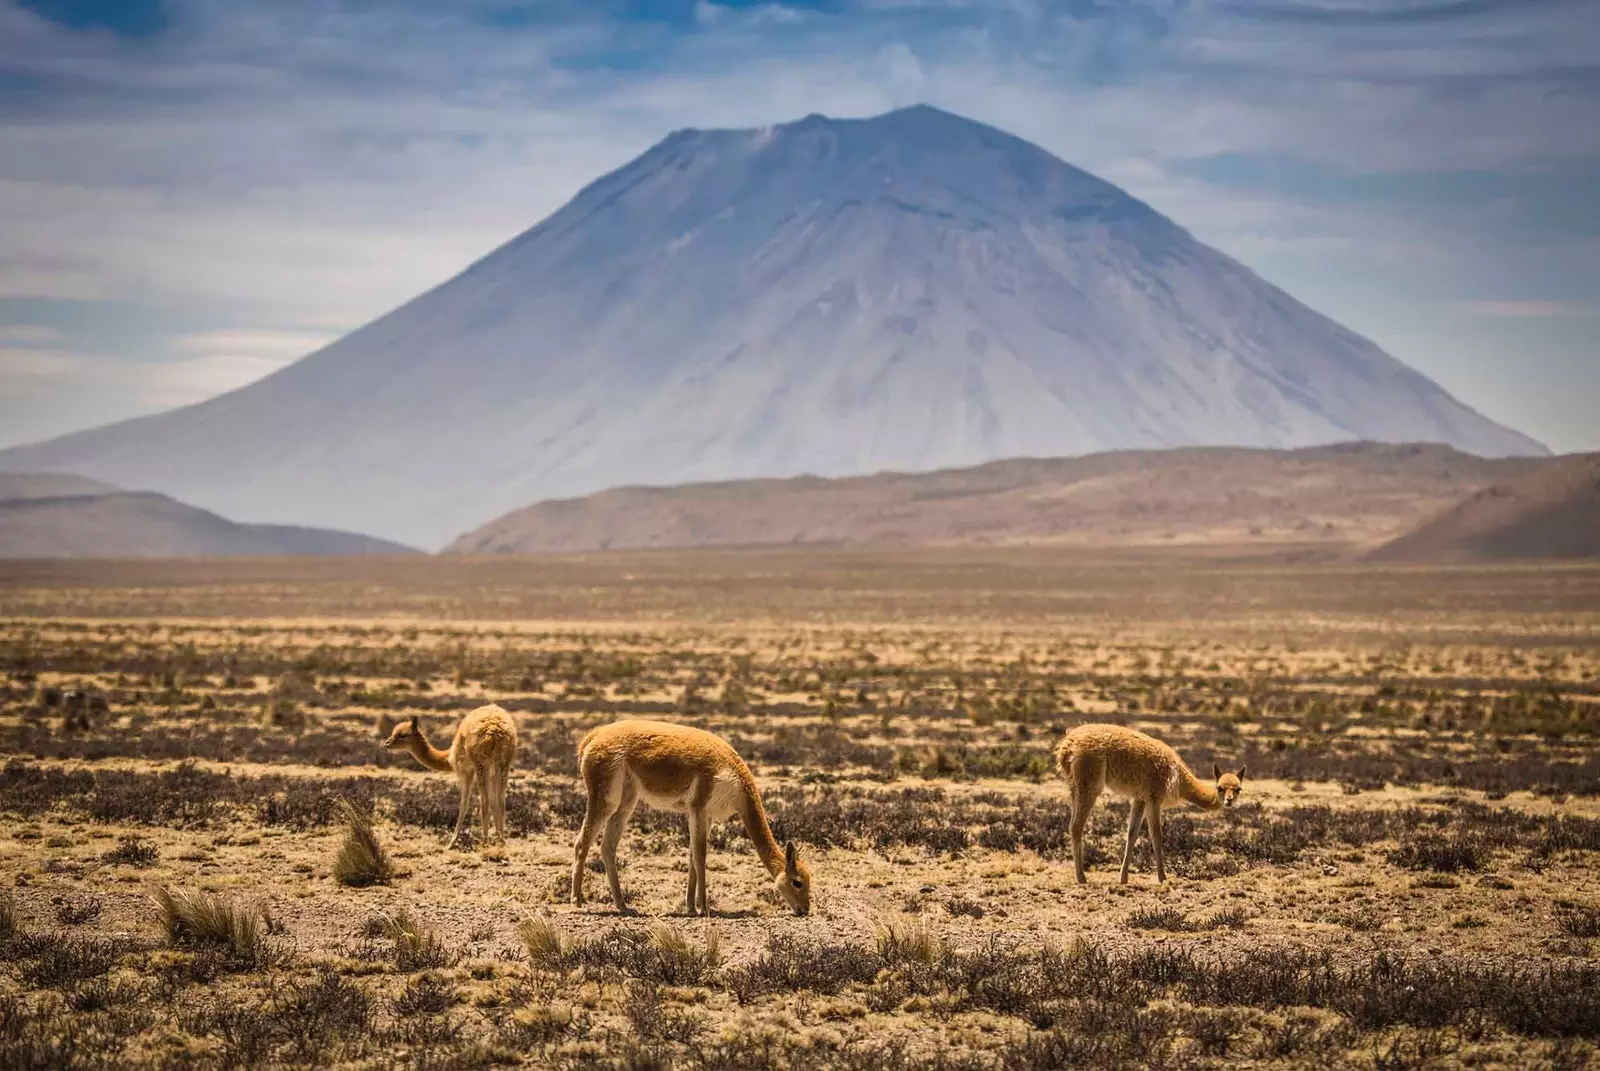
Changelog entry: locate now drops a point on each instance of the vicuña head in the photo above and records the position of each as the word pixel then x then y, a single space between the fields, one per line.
pixel 480 755
pixel 1130 763
pixel 676 768
pixel 1229 785
pixel 405 735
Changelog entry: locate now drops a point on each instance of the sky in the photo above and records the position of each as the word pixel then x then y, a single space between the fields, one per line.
pixel 195 192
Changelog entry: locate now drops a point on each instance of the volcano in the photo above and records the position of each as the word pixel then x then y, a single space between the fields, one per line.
pixel 913 291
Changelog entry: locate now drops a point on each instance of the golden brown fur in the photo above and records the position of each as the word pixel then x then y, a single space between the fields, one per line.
pixel 1133 764
pixel 480 755
pixel 676 768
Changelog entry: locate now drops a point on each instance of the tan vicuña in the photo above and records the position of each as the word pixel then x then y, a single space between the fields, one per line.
pixel 676 768
pixel 1132 764
pixel 480 756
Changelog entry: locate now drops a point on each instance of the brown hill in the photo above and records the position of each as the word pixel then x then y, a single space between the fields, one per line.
pixel 139 524
pixel 1353 493
pixel 1552 512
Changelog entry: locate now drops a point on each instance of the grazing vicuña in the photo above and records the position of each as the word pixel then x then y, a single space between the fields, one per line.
pixel 676 768
pixel 1142 768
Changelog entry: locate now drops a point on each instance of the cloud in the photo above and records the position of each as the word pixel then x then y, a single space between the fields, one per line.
pixel 1533 310
pixel 22 334
pixel 262 343
pixel 193 379
pixel 32 370
pixel 1388 14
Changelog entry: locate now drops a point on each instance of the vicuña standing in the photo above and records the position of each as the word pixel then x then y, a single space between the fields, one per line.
pixel 480 756
pixel 676 768
pixel 1132 764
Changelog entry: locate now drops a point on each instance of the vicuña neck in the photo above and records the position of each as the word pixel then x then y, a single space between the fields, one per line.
pixel 1196 792
pixel 759 832
pixel 430 756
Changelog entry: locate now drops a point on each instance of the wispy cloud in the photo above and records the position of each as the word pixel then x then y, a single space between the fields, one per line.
pixel 26 334
pixel 1533 310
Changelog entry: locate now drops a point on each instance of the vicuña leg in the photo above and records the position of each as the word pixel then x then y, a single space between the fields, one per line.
pixel 1153 817
pixel 603 797
pixel 500 804
pixel 466 804
pixel 485 802
pixel 699 833
pixel 1088 778
pixel 1135 816
pixel 608 844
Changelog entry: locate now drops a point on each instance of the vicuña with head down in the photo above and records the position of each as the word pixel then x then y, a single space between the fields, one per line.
pixel 1142 768
pixel 676 768
pixel 481 754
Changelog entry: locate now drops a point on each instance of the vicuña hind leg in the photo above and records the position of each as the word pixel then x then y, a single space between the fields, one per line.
pixel 608 845
pixel 1153 817
pixel 604 794
pixel 466 804
pixel 485 802
pixel 1087 781
pixel 500 803
pixel 1135 816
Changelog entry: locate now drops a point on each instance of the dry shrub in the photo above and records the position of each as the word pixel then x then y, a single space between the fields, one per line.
pixel 76 910
pixel 662 953
pixel 361 860
pixel 678 960
pixel 132 851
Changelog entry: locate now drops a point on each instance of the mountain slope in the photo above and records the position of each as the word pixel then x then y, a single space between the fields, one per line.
pixel 15 485
pixel 1552 512
pixel 1354 493
pixel 142 524
pixel 908 292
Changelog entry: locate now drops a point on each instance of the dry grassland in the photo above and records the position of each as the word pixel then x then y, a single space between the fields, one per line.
pixel 1413 878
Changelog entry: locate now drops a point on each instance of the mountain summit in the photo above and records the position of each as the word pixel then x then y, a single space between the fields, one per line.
pixel 910 291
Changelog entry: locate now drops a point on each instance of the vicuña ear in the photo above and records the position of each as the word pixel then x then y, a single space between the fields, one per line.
pixel 1241 773
pixel 790 857
pixel 416 728
pixel 1216 771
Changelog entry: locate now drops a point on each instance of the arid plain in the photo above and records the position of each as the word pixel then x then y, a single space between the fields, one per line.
pixel 1411 879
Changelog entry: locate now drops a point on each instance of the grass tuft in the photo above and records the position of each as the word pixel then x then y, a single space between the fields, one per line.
pixel 361 860
pixel 548 945
pixel 416 947
pixel 909 942
pixel 195 919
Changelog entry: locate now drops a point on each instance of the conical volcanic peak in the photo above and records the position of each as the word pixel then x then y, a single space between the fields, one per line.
pixel 910 291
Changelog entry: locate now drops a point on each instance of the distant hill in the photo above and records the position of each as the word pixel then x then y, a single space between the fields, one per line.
pixel 1353 493
pixel 1552 512
pixel 15 485
pixel 142 524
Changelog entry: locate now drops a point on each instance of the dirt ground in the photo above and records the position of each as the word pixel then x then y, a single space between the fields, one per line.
pixel 1410 880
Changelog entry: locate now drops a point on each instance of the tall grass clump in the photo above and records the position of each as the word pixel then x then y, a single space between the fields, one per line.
pixel 199 920
pixel 361 860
